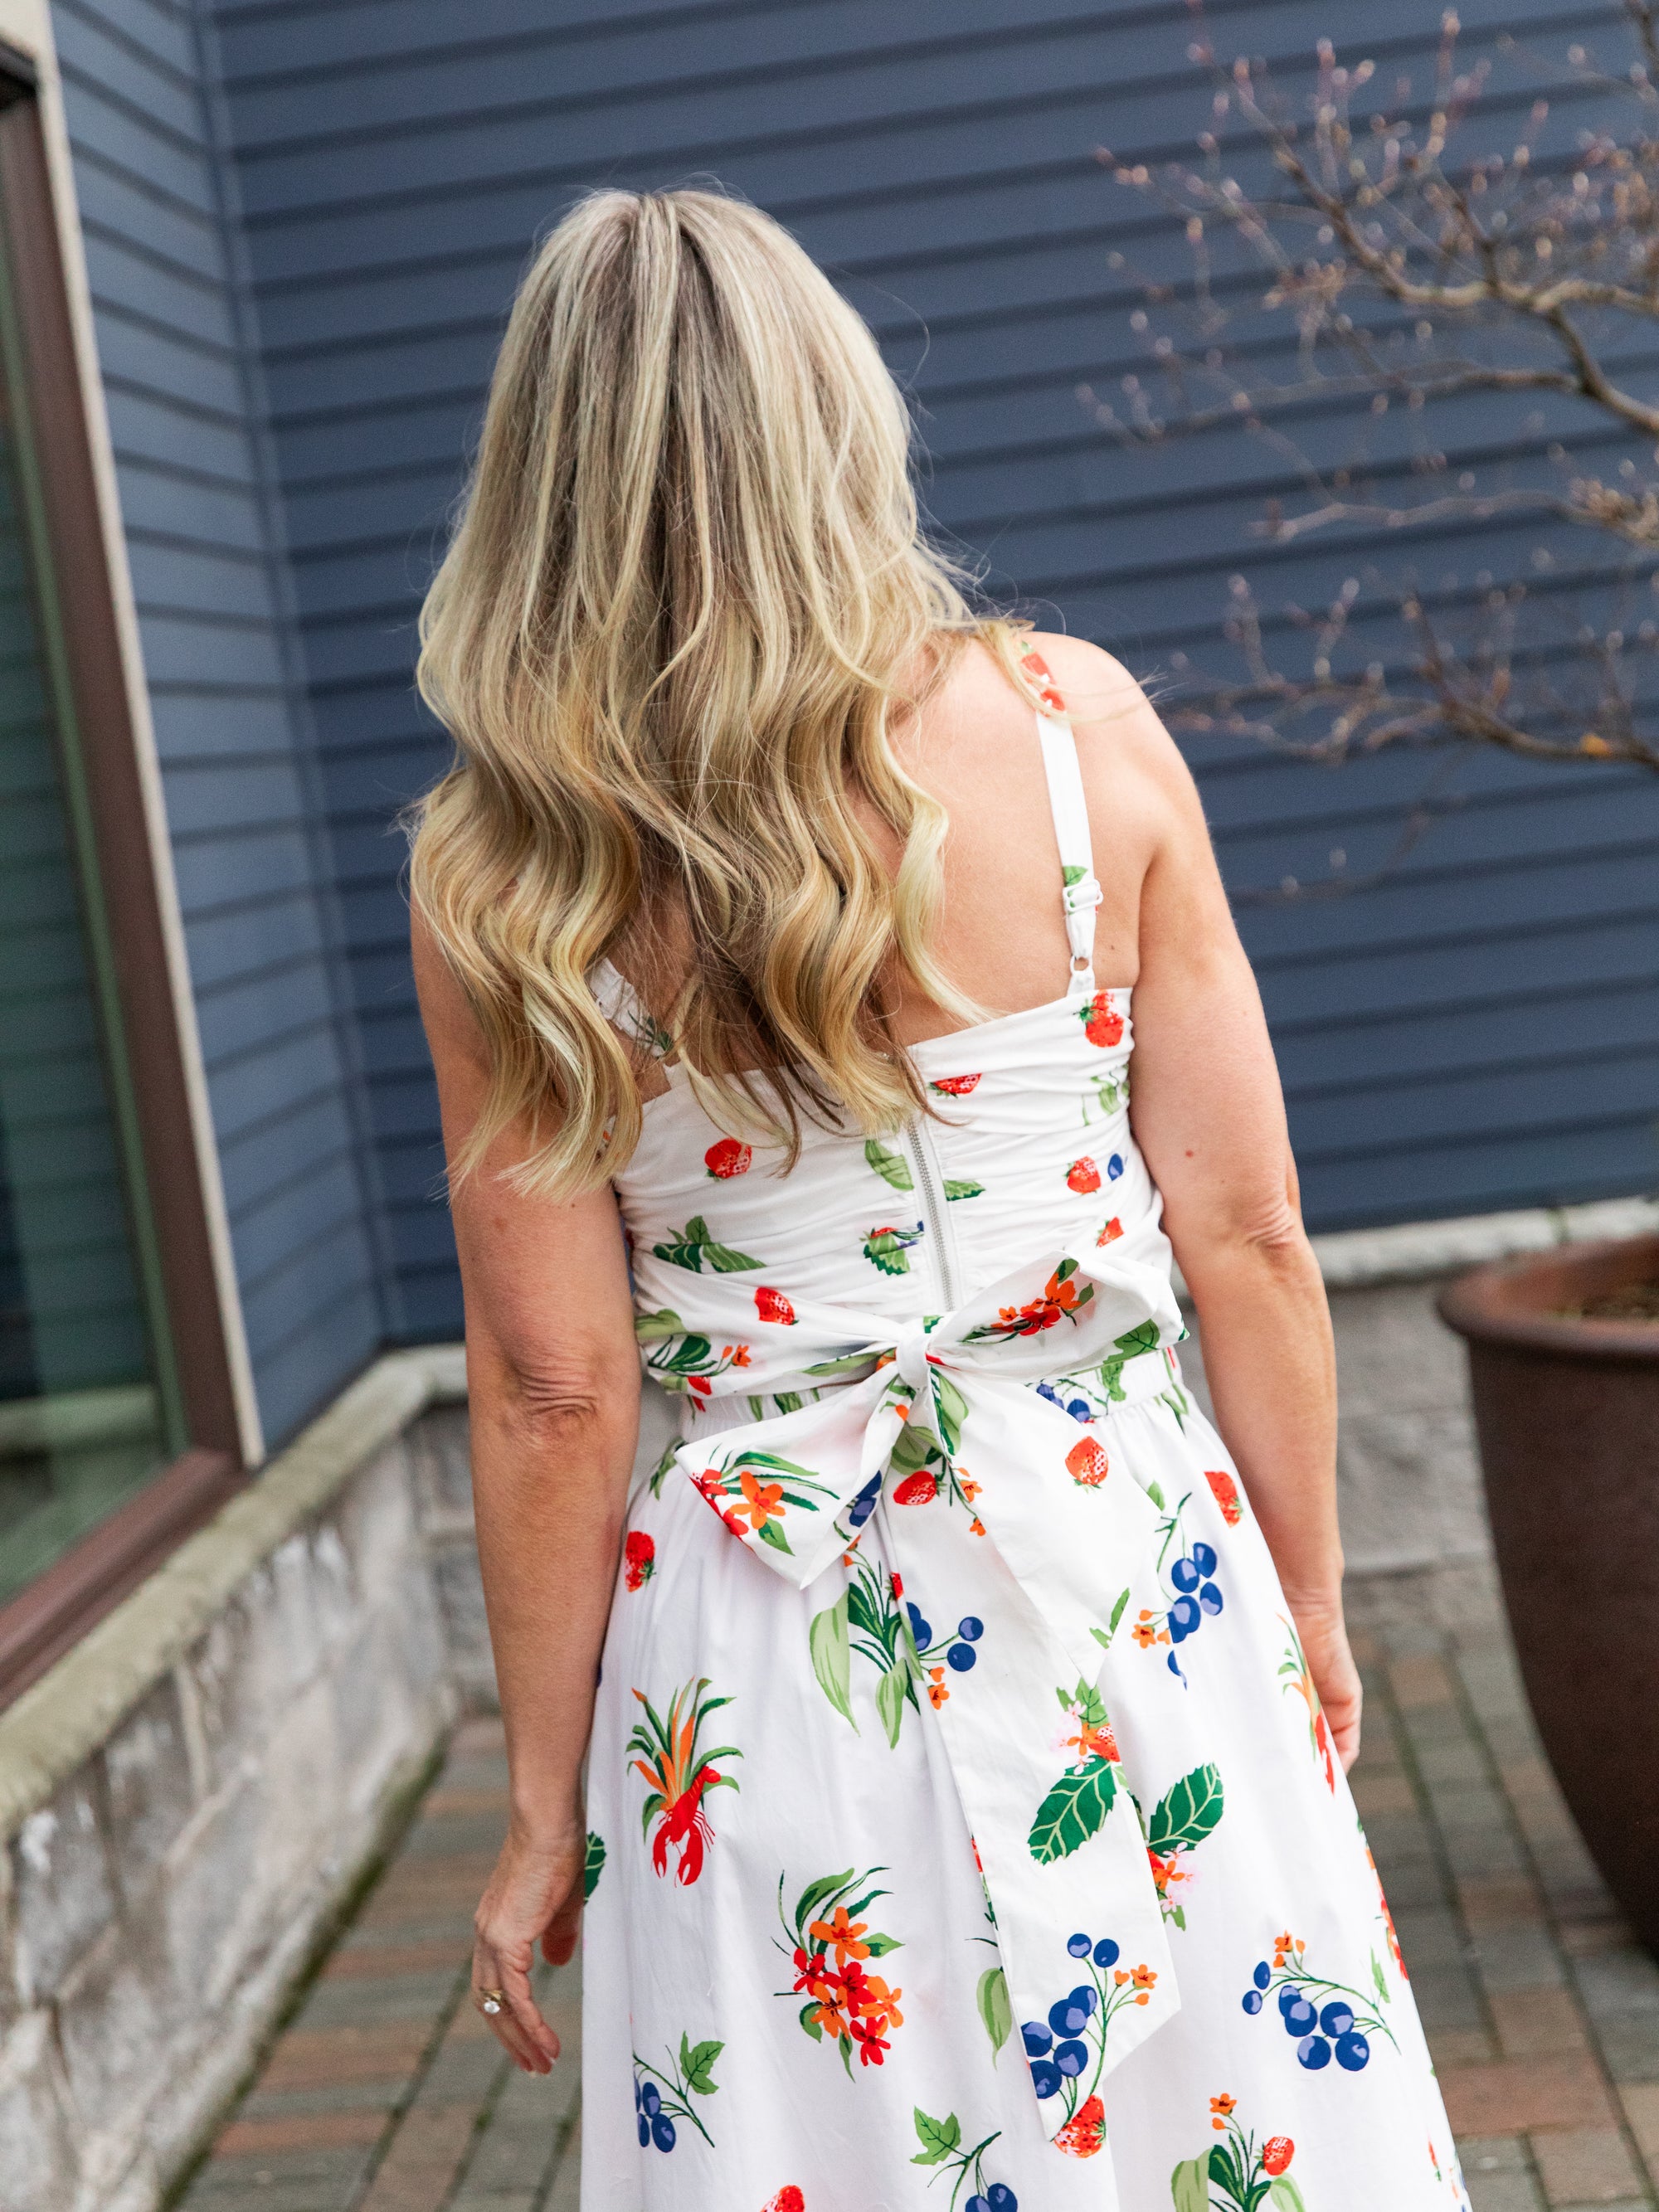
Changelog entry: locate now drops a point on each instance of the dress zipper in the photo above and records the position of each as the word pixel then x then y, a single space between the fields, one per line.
pixel 930 1192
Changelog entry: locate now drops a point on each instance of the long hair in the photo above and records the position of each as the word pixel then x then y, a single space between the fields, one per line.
pixel 687 590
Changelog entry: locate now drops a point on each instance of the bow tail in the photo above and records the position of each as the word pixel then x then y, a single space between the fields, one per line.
pixel 1029 1740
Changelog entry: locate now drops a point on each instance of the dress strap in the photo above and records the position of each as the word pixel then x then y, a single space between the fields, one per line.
pixel 623 1008
pixel 1080 888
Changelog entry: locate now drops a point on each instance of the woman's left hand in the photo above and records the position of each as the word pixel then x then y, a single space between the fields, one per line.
pixel 534 1896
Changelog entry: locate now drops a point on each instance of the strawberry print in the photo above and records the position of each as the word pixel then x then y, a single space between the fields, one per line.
pixel 1234 2175
pixel 1037 674
pixel 1071 2043
pixel 900 1545
pixel 1086 1462
pixel 679 1777
pixel 1101 1023
pixel 1225 1491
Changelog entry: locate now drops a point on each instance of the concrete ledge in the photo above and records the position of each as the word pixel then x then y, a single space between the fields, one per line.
pixel 1416 1251
pixel 58 1723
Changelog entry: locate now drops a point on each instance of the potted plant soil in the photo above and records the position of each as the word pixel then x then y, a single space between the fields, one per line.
pixel 1564 1364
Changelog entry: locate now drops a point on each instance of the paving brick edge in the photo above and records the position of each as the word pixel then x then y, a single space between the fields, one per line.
pixel 62 1719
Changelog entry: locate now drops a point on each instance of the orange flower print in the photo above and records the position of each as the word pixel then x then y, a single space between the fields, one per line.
pixel 845 2002
pixel 1110 1234
pixel 772 1305
pixel 1225 1491
pixel 1147 1631
pixel 727 1158
pixel 1101 1023
pixel 937 1692
pixel 761 1500
pixel 1086 1462
pixel 1222 2109
pixel 1083 1176
pixel 842 1936
pixel 638 1558
pixel 1062 1299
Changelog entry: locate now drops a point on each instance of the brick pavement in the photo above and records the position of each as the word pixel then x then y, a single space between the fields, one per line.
pixel 385 2094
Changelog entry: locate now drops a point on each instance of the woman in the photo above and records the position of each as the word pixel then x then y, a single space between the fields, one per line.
pixel 964 1724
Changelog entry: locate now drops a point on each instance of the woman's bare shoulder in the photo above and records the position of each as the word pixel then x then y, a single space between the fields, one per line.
pixel 1132 767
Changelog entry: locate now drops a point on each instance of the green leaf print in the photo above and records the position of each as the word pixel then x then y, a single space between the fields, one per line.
pixel 890 1248
pixel 1189 2186
pixel 660 1472
pixel 892 1167
pixel 1103 1636
pixel 832 1656
pixel 950 1408
pixel 962 1189
pixel 1074 1810
pixel 1285 2194
pixel 697 2061
pixel 690 1247
pixel 939 2138
pixel 1187 1811
pixel 1130 1346
pixel 593 1864
pixel 652 1328
pixel 890 1698
pixel 1072 873
pixel 996 2009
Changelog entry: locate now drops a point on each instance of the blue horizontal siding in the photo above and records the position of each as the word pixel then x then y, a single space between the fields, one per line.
pixel 229 715
pixel 1475 1029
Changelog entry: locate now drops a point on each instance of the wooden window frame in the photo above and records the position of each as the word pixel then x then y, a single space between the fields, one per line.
pixel 106 799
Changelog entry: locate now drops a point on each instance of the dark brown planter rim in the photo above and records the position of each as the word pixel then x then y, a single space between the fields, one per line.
pixel 1508 1304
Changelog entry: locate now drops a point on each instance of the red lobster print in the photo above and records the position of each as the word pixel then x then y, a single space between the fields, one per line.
pixel 679 1777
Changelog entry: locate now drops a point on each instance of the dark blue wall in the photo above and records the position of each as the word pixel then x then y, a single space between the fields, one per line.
pixel 249 816
pixel 1480 1030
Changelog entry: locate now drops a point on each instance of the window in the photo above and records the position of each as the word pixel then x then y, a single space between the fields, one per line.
pixel 117 1417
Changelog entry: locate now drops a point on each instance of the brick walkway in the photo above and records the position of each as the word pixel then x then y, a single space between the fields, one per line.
pixel 385 2094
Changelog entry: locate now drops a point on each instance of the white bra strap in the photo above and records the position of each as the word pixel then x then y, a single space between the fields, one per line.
pixel 1081 888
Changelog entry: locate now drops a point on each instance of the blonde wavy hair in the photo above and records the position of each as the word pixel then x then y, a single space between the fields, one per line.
pixel 687 591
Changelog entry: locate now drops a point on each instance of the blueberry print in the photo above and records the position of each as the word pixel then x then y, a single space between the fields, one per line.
pixel 662 2097
pixel 1189 1575
pixel 959 1537
pixel 1326 2020
pixel 1067 2052
pixel 942 2146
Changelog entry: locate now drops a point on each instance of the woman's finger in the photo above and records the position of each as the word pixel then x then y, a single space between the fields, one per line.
pixel 520 2024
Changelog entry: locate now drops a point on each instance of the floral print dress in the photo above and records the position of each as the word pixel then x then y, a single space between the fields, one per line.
pixel 965 1832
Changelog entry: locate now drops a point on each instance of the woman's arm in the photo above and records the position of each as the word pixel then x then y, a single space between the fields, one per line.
pixel 553 1385
pixel 1209 1116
